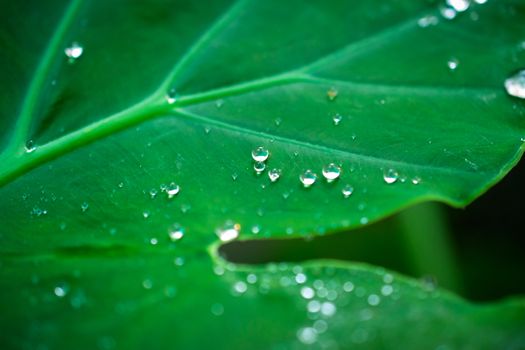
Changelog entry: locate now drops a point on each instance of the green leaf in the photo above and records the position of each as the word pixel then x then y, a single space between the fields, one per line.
pixel 181 92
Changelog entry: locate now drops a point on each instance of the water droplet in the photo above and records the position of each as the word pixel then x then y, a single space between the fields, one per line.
pixel 337 118
pixel 307 292
pixel 363 220
pixel 300 278
pixel 30 146
pixel 332 94
pixel 219 103
pixel 515 85
pixel 416 180
pixel 240 287
pixel 229 231
pixel 172 190
pixel 172 96
pixel 153 193
pixel 448 13
pixel 145 214
pixel 348 287
pixel 331 172
pixel 386 290
pixel 74 51
pixel 328 309
pixel 459 5
pixel 481 2
pixel 217 309
pixel 147 284
pixel 260 154
pixel 84 206
pixel 251 278
pixel 373 300
pixel 427 21
pixel 61 290
pixel 347 191
pixel 259 167
pixel 274 174
pixel 153 241
pixel 278 121
pixel 313 306
pixel 177 233
pixel 178 261
pixel 390 176
pixel 308 178
pixel 453 64
pixel 207 130
pixel 235 176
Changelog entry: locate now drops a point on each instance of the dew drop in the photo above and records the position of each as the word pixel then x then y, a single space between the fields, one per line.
pixel 260 154
pixel 274 174
pixel 259 167
pixel 219 103
pixel 515 85
pixel 74 51
pixel 427 21
pixel 177 233
pixel 308 178
pixel 307 335
pixel 313 306
pixel 172 190
pixel 337 118
pixel 347 191
pixel 172 96
pixel 452 64
pixel 416 180
pixel 307 292
pixel 145 214
pixel 228 232
pixel 390 176
pixel 348 287
pixel 251 278
pixel 448 13
pixel 30 146
pixel 331 172
pixel 278 121
pixel 61 290
pixel 217 309
pixel 332 94
pixel 328 309
pixel 459 5
pixel 373 300
pixel 240 287
pixel 386 290
pixel 84 207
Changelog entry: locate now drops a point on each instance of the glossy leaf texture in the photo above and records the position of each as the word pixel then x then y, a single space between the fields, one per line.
pixel 127 130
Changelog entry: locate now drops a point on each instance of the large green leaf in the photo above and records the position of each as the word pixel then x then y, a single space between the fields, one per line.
pixel 181 92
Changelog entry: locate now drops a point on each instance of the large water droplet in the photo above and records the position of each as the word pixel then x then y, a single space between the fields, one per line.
pixel 331 172
pixel 177 233
pixel 332 94
pixel 390 176
pixel 260 154
pixel 172 96
pixel 172 190
pixel 308 178
pixel 515 85
pixel 347 191
pixel 337 118
pixel 274 174
pixel 229 231
pixel 73 51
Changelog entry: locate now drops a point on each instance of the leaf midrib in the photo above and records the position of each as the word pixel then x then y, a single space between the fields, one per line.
pixel 155 105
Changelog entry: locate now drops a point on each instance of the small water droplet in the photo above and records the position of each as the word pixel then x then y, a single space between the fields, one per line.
pixel 390 176
pixel 260 154
pixel 515 85
pixel 207 130
pixel 145 214
pixel 153 193
pixel 337 118
pixel 300 278
pixel 331 172
pixel 172 96
pixel 416 180
pixel 448 13
pixel 386 290
pixel 328 309
pixel 427 21
pixel 235 176
pixel 61 290
pixel 219 103
pixel 307 292
pixel 73 51
pixel 147 284
pixel 153 241
pixel 308 178
pixel 259 167
pixel 459 5
pixel 172 190
pixel 313 306
pixel 307 335
pixel 278 121
pixel 177 233
pixel 228 232
pixel 84 207
pixel 251 278
pixel 347 191
pixel 30 146
pixel 373 300
pixel 332 94
pixel 453 64
pixel 274 174
pixel 363 220
pixel 240 287
pixel 348 287
pixel 217 309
